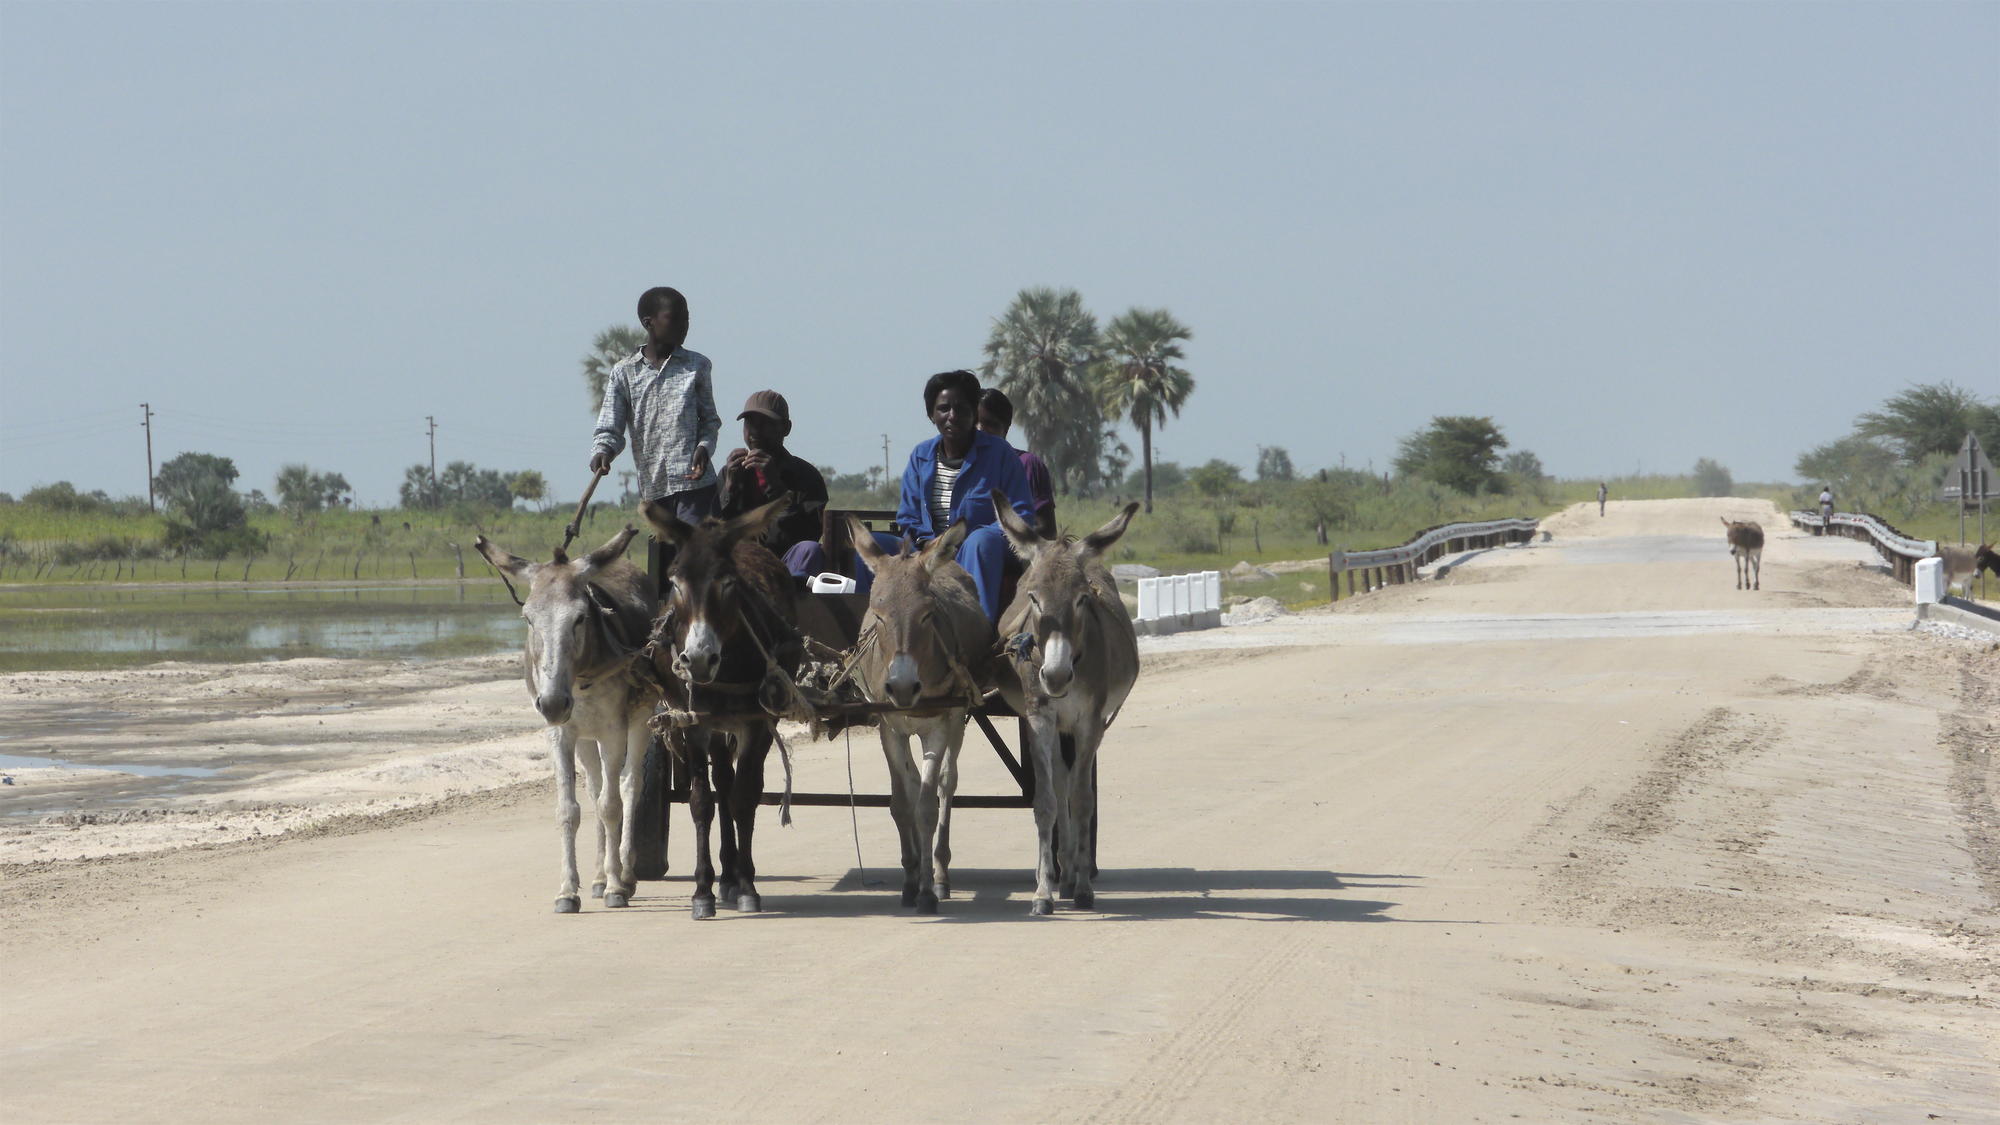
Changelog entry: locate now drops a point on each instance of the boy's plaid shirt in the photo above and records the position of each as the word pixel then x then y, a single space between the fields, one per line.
pixel 670 412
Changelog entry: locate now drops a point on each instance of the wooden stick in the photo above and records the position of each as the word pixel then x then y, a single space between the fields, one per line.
pixel 575 525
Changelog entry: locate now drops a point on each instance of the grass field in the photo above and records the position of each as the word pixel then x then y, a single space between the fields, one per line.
pixel 1259 523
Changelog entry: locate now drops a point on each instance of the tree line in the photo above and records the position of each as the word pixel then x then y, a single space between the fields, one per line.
pixel 1895 457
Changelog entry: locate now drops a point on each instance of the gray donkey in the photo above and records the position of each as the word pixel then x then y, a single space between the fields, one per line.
pixel 926 647
pixel 1072 659
pixel 586 619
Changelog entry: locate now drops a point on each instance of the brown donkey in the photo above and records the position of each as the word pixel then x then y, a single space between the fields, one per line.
pixel 926 647
pixel 1746 546
pixel 1073 657
pixel 731 644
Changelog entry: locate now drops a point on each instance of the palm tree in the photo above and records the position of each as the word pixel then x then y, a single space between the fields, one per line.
pixel 1138 379
pixel 611 346
pixel 1040 352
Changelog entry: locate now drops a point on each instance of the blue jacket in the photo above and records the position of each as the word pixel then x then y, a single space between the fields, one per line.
pixel 991 463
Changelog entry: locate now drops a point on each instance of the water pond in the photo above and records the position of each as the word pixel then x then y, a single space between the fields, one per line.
pixel 117 627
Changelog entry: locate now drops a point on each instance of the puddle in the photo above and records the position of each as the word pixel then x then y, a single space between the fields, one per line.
pixel 85 627
pixel 24 762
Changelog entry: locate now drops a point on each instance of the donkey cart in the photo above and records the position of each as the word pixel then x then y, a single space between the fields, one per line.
pixel 831 624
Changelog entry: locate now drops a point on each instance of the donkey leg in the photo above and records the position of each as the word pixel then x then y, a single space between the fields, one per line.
pixel 1047 752
pixel 591 763
pixel 938 749
pixel 611 819
pixel 1082 797
pixel 722 770
pixel 562 754
pixel 947 786
pixel 902 803
pixel 631 779
pixel 701 813
pixel 749 793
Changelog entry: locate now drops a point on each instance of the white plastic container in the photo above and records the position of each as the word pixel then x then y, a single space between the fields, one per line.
pixel 831 583
pixel 1929 581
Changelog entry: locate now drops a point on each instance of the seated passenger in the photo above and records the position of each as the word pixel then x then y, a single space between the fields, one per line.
pixel 951 477
pixel 765 470
pixel 996 417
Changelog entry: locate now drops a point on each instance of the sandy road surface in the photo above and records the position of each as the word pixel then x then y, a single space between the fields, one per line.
pixel 1483 849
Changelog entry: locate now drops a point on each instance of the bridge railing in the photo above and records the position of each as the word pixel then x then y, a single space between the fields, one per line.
pixel 1390 566
pixel 1900 551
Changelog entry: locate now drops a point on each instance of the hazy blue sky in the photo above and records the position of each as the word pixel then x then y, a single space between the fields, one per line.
pixel 1634 234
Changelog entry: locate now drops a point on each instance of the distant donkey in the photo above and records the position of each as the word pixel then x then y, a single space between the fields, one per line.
pixel 1074 657
pixel 586 620
pixel 1963 564
pixel 1746 546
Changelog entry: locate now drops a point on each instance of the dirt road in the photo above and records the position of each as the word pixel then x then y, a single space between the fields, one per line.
pixel 1578 833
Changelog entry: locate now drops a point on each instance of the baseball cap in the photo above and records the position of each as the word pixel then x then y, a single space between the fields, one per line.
pixel 768 403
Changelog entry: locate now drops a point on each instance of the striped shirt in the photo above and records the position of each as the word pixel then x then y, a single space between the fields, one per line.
pixel 670 412
pixel 940 497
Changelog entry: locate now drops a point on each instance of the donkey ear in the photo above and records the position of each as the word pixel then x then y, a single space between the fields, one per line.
pixel 1099 541
pixel 663 521
pixel 945 547
pixel 863 539
pixel 1024 539
pixel 755 522
pixel 513 566
pixel 611 550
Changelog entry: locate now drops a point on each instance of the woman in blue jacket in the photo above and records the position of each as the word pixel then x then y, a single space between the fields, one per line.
pixel 952 477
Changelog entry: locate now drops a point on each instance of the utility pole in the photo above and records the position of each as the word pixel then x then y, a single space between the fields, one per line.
pixel 886 478
pixel 431 421
pixel 146 421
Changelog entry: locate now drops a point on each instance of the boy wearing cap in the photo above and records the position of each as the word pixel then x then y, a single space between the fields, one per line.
pixel 765 470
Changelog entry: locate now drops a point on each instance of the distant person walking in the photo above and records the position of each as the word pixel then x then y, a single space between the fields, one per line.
pixel 664 395
pixel 1602 492
pixel 1825 508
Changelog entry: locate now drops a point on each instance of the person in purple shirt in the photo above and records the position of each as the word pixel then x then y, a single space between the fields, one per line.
pixel 952 477
pixel 996 417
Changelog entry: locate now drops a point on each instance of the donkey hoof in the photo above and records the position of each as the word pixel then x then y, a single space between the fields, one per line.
pixel 909 895
pixel 703 908
pixel 944 890
pixel 927 903
pixel 750 902
pixel 597 890
pixel 1042 907
pixel 568 905
pixel 1084 900
pixel 615 899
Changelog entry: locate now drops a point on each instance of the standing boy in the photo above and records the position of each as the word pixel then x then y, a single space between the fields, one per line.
pixel 664 395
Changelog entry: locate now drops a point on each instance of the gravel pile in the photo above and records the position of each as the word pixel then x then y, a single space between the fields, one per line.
pixel 1953 632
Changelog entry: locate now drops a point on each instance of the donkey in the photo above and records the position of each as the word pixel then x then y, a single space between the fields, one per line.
pixel 1746 547
pixel 1074 657
pixel 586 620
pixel 731 633
pixel 927 648
pixel 1963 564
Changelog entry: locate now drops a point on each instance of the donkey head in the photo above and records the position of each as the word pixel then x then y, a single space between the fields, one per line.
pixel 1053 602
pixel 706 583
pixel 566 625
pixel 915 635
pixel 1986 558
